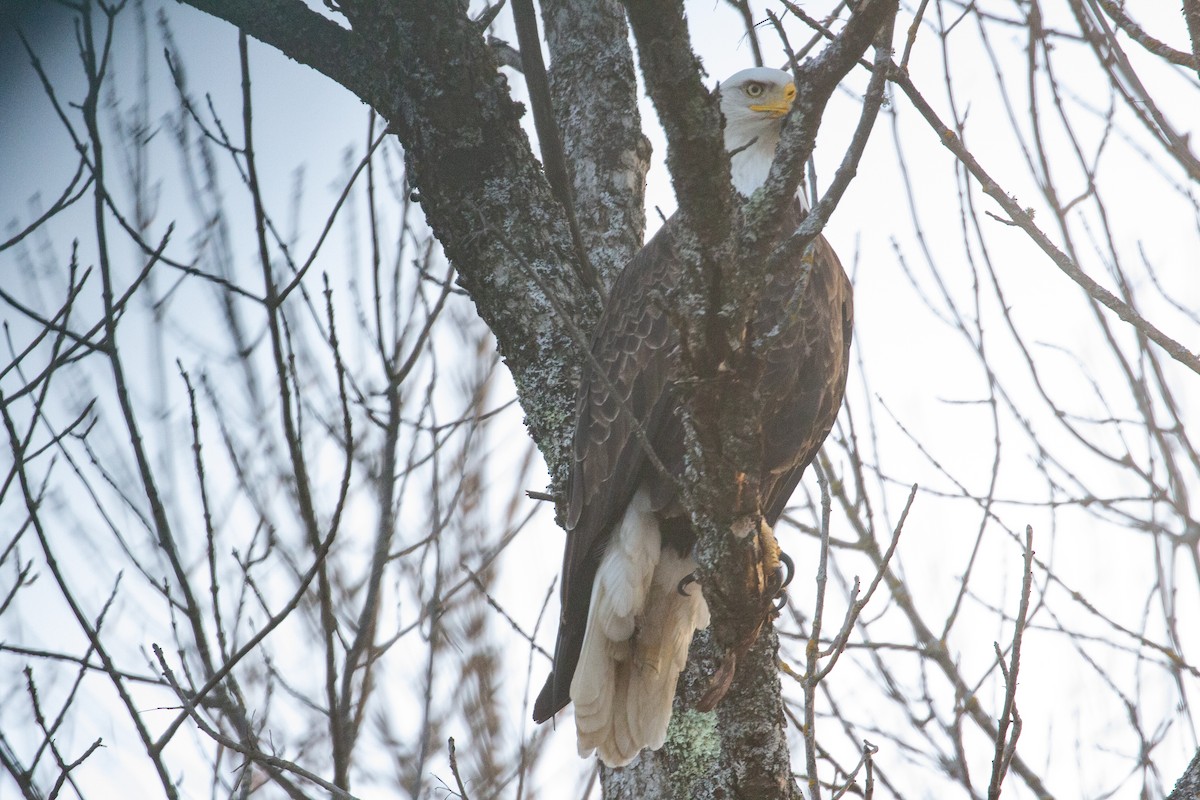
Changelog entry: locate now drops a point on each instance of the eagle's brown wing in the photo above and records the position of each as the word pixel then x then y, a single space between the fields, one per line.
pixel 805 377
pixel 623 387
pixel 626 385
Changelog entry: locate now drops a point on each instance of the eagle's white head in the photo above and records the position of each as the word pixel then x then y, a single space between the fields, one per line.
pixel 754 102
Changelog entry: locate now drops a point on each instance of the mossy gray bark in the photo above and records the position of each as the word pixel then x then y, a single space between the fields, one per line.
pixel 1188 785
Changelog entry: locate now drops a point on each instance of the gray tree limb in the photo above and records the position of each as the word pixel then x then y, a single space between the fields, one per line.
pixel 594 89
pixel 1191 15
pixel 690 115
pixel 304 36
pixel 724 255
pixel 1188 785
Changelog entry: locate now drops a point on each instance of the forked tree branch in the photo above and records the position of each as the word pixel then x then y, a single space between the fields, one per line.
pixel 816 81
pixel 1139 35
pixel 302 34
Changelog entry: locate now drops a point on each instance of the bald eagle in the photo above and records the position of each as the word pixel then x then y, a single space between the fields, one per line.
pixel 625 625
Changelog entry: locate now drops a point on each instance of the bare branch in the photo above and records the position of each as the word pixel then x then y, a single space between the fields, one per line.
pixel 1023 219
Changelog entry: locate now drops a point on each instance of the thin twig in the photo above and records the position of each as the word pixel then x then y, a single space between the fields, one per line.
pixel 462 790
pixel 1006 746
pixel 1024 219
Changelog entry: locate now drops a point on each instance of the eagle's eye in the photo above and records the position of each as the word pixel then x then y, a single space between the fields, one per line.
pixel 754 89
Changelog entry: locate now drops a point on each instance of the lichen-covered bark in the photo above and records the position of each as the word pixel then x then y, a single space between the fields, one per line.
pixel 694 762
pixel 725 252
pixel 1191 15
pixel 753 724
pixel 1188 785
pixel 738 750
pixel 690 115
pixel 594 88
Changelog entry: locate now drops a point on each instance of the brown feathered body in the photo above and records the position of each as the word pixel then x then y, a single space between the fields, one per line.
pixel 624 628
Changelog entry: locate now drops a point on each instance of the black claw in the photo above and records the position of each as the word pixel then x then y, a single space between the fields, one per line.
pixel 790 573
pixel 788 568
pixel 686 581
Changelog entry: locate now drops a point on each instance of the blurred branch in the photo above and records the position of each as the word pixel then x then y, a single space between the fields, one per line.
pixel 65 200
pixel 1191 15
pixel 32 506
pixel 275 765
pixel 462 790
pixel 21 775
pixel 751 35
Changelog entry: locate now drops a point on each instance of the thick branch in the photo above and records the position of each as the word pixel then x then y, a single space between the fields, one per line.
pixel 727 365
pixel 816 81
pixel 721 370
pixel 1188 785
pixel 1191 14
pixel 690 116
pixel 595 94
pixel 303 35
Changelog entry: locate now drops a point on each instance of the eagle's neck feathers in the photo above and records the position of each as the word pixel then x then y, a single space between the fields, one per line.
pixel 752 145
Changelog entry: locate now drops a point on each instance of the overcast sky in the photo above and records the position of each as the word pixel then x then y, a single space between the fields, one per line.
pixel 918 367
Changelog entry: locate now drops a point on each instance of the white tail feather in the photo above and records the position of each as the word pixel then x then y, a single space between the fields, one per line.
pixel 638 631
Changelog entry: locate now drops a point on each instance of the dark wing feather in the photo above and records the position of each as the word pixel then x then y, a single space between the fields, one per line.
pixel 806 379
pixel 631 351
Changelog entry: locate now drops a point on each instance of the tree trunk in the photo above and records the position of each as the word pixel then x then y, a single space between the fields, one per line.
pixel 1188 785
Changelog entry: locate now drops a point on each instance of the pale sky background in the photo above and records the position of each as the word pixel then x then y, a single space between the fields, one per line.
pixel 916 365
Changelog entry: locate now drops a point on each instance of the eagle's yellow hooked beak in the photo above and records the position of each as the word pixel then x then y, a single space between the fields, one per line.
pixel 779 104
